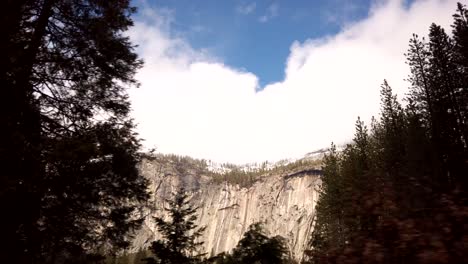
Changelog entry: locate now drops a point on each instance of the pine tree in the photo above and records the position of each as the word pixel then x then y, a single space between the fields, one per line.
pixel 256 247
pixel 397 194
pixel 69 180
pixel 460 37
pixel 389 139
pixel 328 226
pixel 444 74
pixel 420 93
pixel 179 234
pixel 437 92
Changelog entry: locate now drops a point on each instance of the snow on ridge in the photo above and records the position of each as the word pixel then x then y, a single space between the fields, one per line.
pixel 223 168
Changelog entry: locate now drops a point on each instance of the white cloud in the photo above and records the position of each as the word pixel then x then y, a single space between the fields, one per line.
pixel 247 8
pixel 192 104
pixel 271 12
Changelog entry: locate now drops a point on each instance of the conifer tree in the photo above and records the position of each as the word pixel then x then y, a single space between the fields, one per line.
pixel 328 227
pixel 69 180
pixel 397 194
pixel 179 243
pixel 256 247
pixel 460 38
pixel 437 92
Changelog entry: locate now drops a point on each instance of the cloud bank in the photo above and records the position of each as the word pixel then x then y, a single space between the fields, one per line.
pixel 190 103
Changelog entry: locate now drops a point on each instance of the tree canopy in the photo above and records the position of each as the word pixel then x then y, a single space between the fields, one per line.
pixel 69 180
pixel 179 243
pixel 397 193
pixel 256 247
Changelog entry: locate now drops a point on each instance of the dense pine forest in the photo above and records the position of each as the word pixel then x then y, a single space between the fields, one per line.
pixel 71 191
pixel 398 193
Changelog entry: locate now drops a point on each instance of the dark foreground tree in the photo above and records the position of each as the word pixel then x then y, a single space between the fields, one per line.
pixel 69 184
pixel 179 243
pixel 256 248
pixel 379 203
pixel 398 193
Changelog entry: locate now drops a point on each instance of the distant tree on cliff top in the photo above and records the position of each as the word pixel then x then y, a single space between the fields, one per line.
pixel 179 234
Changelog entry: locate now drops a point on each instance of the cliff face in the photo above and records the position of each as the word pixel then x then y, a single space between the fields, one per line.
pixel 283 201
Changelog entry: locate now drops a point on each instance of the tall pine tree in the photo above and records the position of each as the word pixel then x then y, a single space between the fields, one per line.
pixel 69 181
pixel 179 234
pixel 397 194
pixel 460 37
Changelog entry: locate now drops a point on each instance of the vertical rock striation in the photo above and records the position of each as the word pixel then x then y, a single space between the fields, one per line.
pixel 284 202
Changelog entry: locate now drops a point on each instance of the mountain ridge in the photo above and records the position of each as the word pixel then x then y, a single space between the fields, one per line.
pixel 283 198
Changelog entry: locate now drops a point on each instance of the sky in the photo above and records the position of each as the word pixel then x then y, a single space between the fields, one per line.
pixel 247 81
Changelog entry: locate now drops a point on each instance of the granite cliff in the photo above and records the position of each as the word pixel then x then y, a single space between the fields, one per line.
pixel 283 197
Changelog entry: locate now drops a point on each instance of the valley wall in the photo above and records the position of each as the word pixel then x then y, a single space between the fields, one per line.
pixel 284 201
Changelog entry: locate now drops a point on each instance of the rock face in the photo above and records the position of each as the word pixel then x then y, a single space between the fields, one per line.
pixel 285 203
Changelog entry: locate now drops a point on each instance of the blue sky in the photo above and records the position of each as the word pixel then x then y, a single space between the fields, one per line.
pixel 248 81
pixel 256 35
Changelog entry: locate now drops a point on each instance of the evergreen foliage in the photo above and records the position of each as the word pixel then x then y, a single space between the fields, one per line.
pixel 180 233
pixel 129 258
pixel 69 182
pixel 397 194
pixel 243 175
pixel 256 248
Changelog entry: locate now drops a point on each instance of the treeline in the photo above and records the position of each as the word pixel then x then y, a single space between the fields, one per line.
pixel 246 177
pixel 242 175
pixel 398 193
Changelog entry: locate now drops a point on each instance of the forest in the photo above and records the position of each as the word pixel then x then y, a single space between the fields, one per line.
pixel 397 194
pixel 70 188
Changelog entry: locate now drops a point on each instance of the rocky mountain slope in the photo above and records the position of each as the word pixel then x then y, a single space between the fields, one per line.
pixel 282 197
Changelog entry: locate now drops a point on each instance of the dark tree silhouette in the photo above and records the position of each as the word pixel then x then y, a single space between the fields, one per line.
pixel 179 234
pixel 69 182
pixel 256 247
pixel 397 194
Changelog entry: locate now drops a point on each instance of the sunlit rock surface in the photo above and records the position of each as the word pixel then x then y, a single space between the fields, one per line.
pixel 284 201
